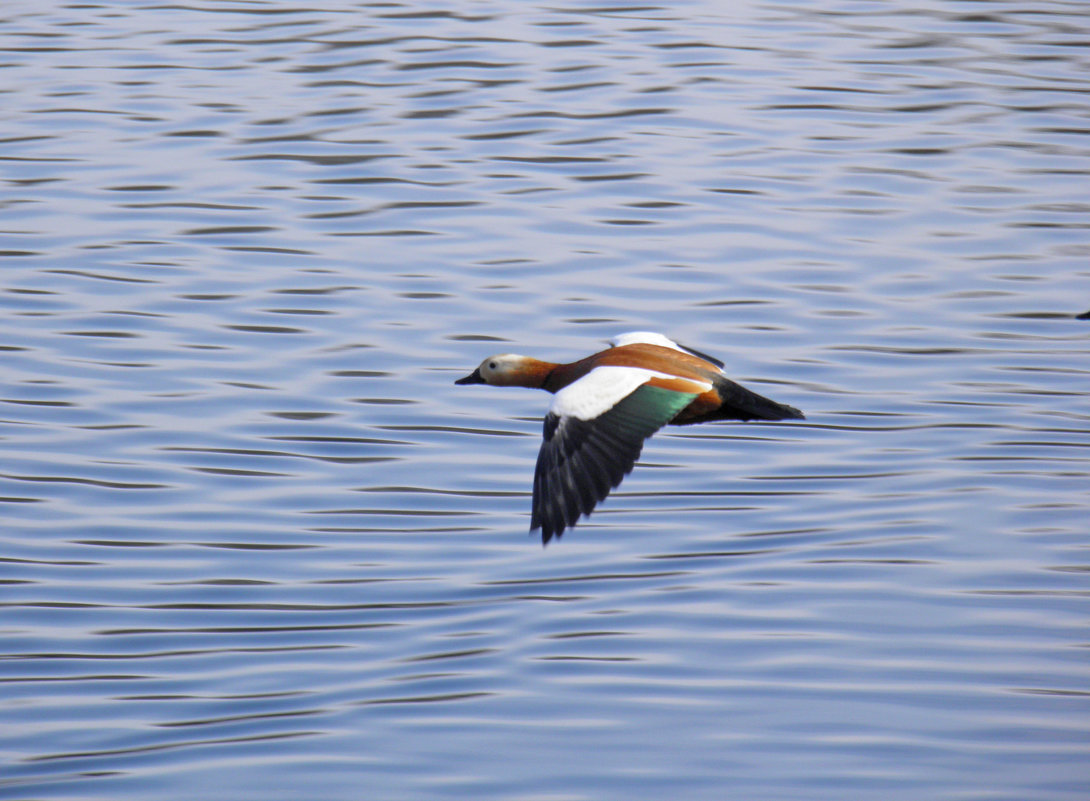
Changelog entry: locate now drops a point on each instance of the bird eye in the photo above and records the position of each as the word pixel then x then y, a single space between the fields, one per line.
pixel 491 365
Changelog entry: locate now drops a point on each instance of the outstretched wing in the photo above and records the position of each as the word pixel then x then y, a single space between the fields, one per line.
pixel 581 460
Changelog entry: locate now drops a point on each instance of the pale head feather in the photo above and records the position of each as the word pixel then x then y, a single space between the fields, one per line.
pixel 505 369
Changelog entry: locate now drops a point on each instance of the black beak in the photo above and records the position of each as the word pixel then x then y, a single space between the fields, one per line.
pixel 472 378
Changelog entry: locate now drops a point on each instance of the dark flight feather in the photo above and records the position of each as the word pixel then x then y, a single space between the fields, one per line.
pixel 580 461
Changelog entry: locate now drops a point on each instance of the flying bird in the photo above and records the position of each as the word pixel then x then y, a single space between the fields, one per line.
pixel 604 407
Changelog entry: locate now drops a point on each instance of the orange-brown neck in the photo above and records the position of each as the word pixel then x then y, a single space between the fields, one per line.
pixel 528 373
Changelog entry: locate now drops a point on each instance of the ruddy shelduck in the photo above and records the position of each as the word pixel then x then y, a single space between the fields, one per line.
pixel 606 405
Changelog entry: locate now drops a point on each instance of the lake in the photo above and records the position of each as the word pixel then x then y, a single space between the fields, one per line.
pixel 257 544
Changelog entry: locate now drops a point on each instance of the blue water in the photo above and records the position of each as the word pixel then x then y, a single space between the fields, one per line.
pixel 256 544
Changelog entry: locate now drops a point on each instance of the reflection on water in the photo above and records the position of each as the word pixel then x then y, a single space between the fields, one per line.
pixel 250 523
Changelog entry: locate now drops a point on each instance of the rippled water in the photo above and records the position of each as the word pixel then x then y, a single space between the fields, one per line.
pixel 256 544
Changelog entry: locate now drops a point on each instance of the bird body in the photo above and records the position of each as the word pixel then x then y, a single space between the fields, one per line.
pixel 606 405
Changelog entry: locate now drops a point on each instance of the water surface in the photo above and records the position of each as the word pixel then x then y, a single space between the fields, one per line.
pixel 256 544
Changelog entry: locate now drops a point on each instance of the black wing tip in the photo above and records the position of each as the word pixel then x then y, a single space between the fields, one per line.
pixel 549 524
pixel 547 535
pixel 553 526
pixel 702 355
pixel 578 466
pixel 550 530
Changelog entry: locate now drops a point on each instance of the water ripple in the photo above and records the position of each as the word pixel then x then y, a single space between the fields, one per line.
pixel 249 519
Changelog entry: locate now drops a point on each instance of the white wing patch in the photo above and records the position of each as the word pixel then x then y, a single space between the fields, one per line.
pixel 603 388
pixel 644 338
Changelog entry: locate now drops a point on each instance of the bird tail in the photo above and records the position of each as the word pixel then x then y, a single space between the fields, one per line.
pixel 740 403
